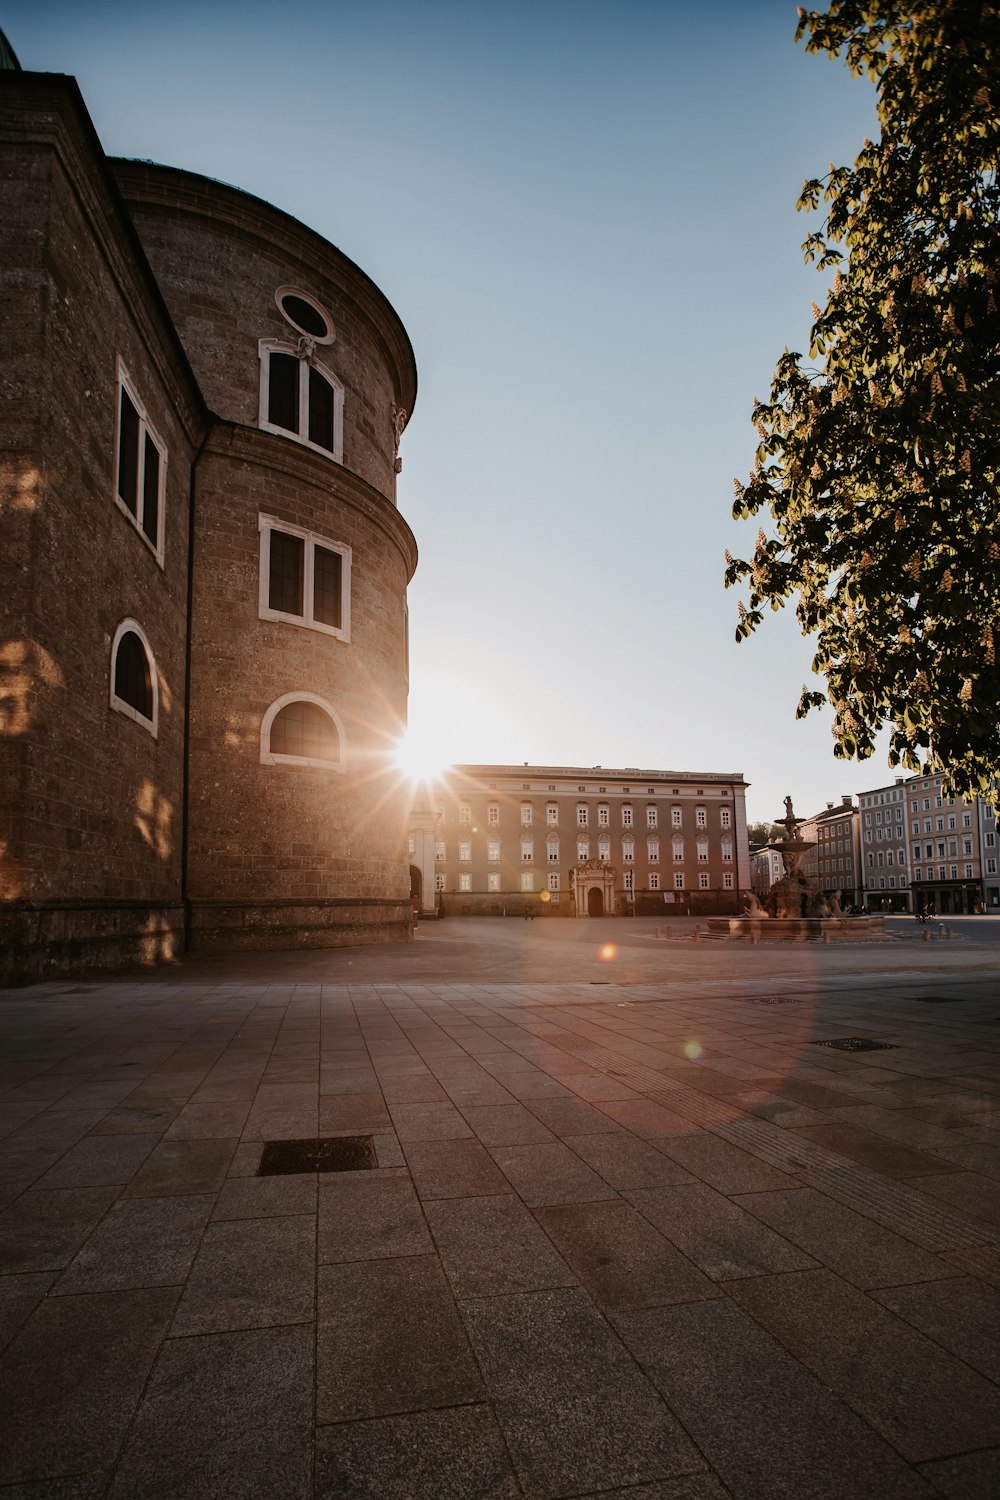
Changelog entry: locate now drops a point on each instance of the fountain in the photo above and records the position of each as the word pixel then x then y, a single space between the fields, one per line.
pixel 793 909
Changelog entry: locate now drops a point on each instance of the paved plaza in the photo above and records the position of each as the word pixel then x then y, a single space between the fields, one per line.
pixel 633 1230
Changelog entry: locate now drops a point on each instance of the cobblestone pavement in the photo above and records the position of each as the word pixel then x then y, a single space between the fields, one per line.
pixel 637 1227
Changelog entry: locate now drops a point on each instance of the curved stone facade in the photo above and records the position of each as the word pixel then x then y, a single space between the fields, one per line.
pixel 203 618
pixel 278 851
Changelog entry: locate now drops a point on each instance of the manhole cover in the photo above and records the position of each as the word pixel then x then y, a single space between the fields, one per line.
pixel 337 1153
pixel 775 1000
pixel 857 1044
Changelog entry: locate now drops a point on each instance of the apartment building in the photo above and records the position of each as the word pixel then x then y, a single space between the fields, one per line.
pixel 925 851
pixel 578 842
pixel 834 864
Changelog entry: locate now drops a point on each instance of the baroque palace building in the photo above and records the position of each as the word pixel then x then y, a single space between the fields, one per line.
pixel 578 842
pixel 203 610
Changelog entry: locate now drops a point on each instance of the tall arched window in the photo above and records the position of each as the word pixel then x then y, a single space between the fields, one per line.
pixel 300 397
pixel 134 685
pixel 302 730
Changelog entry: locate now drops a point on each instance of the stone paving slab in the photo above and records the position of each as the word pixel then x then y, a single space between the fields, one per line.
pixel 639 1239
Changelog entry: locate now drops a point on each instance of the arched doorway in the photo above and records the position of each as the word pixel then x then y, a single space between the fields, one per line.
pixel 595 902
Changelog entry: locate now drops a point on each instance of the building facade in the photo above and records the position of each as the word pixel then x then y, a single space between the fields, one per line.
pixel 925 851
pixel 203 618
pixel 578 842
pixel 834 864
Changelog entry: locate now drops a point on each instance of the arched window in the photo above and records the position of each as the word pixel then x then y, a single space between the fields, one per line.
pixel 302 730
pixel 300 397
pixel 134 685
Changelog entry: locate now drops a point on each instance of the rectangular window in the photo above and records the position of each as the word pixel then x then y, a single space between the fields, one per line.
pixel 702 851
pixel 527 881
pixel 675 817
pixel 493 815
pixel 650 817
pixel 527 851
pixel 604 849
pixel 552 815
pixel 553 851
pixel 525 814
pixel 141 465
pixel 603 816
pixel 654 881
pixel 628 880
pixel 493 881
pixel 726 817
pixel 439 851
pixel 968 872
pixel 727 851
pixel 628 851
pixel 439 882
pixel 678 882
pixel 493 852
pixel 703 882
pixel 554 881
pixel 304 578
pixel 465 814
pixel 678 853
pixel 626 817
pixel 465 851
pixel 727 880
pixel 653 851
pixel 581 817
pixel 465 881
pixel 701 817
pixel 582 851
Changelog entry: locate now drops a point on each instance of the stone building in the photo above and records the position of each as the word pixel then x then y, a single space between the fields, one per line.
pixel 925 851
pixel 203 612
pixel 834 864
pixel 578 842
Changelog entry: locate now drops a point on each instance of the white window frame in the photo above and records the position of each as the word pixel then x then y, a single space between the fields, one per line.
pixel 526 815
pixel 464 851
pixel 527 881
pixel 654 880
pixel 554 881
pixel 465 881
pixel 440 883
pixel 679 881
pixel 152 726
pixel 124 382
pixel 626 816
pixel 552 815
pixel 628 851
pixel 676 817
pixel 493 880
pixel 267 347
pixel 527 851
pixel 703 882
pixel 651 817
pixel 267 758
pixel 493 815
pixel 727 880
pixel 552 851
pixel 493 851
pixel 311 539
pixel 465 815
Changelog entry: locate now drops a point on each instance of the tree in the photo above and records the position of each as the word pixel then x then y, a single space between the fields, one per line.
pixel 879 467
pixel 764 833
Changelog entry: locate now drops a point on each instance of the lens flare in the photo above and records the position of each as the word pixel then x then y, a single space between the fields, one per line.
pixel 693 1050
pixel 607 952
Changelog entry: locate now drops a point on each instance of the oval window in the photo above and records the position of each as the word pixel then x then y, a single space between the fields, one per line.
pixel 305 314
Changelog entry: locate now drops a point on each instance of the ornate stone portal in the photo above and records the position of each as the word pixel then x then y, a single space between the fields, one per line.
pixel 594 883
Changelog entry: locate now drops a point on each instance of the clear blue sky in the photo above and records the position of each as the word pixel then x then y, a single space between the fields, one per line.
pixel 585 215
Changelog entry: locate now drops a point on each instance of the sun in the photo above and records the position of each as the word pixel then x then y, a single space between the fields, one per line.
pixel 418 756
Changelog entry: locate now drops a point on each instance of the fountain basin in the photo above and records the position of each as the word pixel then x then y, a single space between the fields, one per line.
pixel 799 929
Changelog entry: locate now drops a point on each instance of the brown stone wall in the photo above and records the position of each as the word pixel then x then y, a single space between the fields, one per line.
pixel 264 836
pixel 91 802
pixel 220 255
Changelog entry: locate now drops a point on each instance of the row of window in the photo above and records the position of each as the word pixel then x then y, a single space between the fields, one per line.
pixel 553 882
pixel 583 816
pixel 583 850
pixel 298 729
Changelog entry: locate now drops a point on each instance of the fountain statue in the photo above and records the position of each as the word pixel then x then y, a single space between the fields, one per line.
pixel 793 908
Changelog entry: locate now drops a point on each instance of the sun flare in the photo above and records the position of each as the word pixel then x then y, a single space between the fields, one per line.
pixel 419 757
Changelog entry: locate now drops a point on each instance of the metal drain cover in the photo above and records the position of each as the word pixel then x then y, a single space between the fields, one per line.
pixel 857 1044
pixel 335 1153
